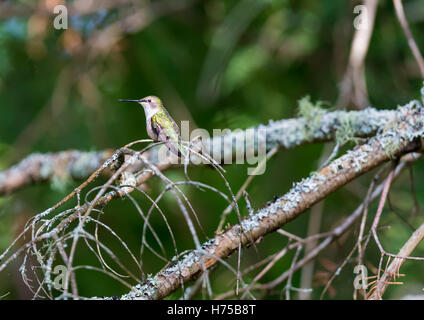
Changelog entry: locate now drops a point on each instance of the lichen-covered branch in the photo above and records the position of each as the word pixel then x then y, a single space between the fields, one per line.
pixel 315 125
pixel 401 136
pixel 38 168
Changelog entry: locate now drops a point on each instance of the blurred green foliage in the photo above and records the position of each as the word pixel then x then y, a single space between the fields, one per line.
pixel 220 64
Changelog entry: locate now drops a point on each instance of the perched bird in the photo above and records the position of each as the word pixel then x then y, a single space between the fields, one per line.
pixel 160 125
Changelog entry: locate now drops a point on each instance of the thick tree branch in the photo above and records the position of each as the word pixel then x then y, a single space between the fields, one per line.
pixel 39 168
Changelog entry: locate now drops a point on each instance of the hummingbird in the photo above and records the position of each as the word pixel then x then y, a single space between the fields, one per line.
pixel 160 125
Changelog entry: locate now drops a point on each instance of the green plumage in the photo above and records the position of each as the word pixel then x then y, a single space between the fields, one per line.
pixel 166 130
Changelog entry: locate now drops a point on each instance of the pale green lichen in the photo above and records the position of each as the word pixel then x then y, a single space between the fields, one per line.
pixel 408 126
pixel 309 110
pixel 46 169
pixel 316 124
pixel 390 144
pixel 60 183
pixel 345 132
pixel 311 113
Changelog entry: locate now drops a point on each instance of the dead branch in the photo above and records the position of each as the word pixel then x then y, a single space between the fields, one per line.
pixel 400 13
pixel 353 87
pixel 393 270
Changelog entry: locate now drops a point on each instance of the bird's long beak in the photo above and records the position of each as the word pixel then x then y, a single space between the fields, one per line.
pixel 123 100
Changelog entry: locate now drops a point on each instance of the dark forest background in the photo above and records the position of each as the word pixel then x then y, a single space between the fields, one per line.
pixel 219 64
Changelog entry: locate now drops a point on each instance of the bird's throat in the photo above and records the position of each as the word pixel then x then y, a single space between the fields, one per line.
pixel 150 112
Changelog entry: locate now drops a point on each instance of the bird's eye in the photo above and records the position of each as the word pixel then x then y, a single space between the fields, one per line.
pixel 149 100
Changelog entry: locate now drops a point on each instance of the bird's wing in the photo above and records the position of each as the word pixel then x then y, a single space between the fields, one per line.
pixel 167 131
pixel 172 121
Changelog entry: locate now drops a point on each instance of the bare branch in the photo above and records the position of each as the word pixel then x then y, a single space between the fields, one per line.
pixel 411 42
pixel 393 270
